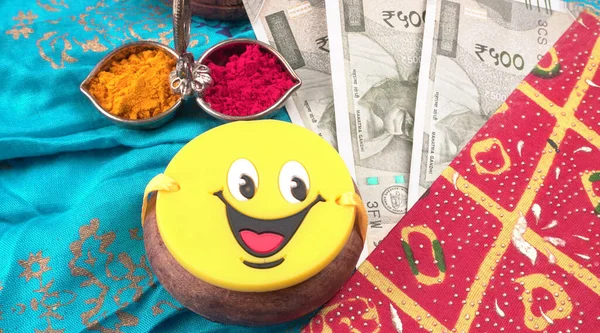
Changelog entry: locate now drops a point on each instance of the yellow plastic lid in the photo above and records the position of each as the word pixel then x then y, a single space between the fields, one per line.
pixel 256 206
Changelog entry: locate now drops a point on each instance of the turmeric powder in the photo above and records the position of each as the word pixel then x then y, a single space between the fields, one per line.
pixel 136 87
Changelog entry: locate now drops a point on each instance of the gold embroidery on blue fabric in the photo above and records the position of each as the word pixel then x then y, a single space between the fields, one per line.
pixel 105 26
pixel 34 266
pixel 22 28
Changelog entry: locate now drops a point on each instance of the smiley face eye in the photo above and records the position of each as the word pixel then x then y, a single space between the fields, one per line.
pixel 247 187
pixel 299 190
pixel 293 182
pixel 242 180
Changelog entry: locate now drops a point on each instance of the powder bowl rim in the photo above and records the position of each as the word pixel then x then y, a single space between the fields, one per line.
pixel 148 123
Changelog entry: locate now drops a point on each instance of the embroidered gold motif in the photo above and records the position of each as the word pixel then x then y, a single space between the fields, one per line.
pixel 21 308
pixel 86 232
pixel 100 4
pixel 25 31
pixel 91 45
pixel 34 266
pixel 22 17
pixel 22 28
pixel 104 29
pixel 133 234
pixel 48 329
pixel 96 247
pixel 89 237
pixel 156 309
pixel 125 320
pixel 34 304
pixel 90 259
pixel 49 7
pixel 57 297
pixel 134 279
pixel 66 46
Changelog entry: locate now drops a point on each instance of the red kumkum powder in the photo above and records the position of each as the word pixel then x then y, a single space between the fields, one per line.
pixel 248 83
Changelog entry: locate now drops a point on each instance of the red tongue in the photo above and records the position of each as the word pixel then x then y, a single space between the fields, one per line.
pixel 261 243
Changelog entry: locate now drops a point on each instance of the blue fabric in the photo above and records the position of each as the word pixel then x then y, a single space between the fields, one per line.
pixel 593 5
pixel 71 182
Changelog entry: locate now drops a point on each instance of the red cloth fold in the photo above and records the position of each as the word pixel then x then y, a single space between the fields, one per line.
pixel 508 238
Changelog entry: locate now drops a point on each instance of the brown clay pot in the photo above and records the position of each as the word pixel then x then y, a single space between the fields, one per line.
pixel 247 308
pixel 223 10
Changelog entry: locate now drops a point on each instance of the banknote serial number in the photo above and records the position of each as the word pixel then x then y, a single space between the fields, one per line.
pixel 374 214
pixel 500 58
pixel 542 33
pixel 413 18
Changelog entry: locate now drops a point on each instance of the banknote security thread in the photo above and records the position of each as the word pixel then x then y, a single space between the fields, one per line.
pixel 284 39
pixel 354 17
pixel 449 19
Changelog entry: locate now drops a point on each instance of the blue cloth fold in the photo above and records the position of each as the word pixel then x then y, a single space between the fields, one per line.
pixel 71 182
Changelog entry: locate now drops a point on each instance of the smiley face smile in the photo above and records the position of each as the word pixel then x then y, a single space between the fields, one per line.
pixel 260 211
pixel 264 238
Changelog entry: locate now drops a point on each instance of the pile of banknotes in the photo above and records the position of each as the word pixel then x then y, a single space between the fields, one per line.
pixel 399 87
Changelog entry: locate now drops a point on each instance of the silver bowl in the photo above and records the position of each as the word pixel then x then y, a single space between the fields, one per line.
pixel 220 54
pixel 120 53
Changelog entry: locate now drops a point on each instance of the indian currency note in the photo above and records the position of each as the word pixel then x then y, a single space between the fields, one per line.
pixel 298 30
pixel 475 52
pixel 375 55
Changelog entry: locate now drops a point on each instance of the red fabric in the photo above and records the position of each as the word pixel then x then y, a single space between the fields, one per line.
pixel 508 238
pixel 248 83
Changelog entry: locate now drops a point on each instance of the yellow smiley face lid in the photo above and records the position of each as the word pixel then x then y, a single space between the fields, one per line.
pixel 256 206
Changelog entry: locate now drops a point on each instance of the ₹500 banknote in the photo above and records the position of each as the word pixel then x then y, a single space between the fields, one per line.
pixel 298 30
pixel 375 57
pixel 475 52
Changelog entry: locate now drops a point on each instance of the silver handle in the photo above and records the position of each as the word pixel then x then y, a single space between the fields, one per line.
pixel 182 21
pixel 188 78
